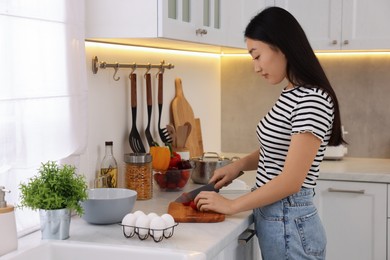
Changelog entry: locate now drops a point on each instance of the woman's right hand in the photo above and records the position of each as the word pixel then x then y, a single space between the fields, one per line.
pixel 224 176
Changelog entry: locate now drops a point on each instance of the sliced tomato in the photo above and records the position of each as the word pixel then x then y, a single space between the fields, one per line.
pixel 186 203
pixel 193 205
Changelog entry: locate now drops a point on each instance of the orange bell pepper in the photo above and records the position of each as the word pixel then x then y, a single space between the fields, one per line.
pixel 161 156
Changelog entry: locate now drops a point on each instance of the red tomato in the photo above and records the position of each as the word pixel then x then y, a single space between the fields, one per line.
pixel 161 180
pixel 193 205
pixel 187 203
pixel 185 174
pixel 181 183
pixel 171 185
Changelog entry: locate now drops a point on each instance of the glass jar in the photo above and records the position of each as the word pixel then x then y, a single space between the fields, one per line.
pixel 138 174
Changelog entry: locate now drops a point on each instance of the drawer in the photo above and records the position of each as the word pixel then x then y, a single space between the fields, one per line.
pixel 388 202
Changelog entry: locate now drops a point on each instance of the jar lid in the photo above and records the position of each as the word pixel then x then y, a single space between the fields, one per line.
pixel 138 157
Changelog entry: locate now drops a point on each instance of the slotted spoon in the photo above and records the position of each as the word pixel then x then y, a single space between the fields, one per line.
pixel 134 137
pixel 164 135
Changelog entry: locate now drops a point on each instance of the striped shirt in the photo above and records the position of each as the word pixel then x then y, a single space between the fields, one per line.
pixel 298 110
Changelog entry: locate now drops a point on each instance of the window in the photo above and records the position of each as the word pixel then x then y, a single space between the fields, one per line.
pixel 43 97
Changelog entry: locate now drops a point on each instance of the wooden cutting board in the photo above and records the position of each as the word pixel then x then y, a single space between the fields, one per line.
pixel 198 134
pixel 182 112
pixel 183 213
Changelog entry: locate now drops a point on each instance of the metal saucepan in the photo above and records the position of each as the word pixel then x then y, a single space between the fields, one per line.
pixel 203 167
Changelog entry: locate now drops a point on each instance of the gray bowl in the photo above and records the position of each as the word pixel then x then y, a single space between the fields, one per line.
pixel 108 205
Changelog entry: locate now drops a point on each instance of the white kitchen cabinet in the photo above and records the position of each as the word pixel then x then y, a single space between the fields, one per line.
pixel 246 247
pixel 354 215
pixel 343 24
pixel 185 20
pixel 388 220
pixel 236 16
pixel 194 21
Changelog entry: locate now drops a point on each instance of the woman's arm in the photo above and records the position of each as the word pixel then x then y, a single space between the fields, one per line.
pixel 302 151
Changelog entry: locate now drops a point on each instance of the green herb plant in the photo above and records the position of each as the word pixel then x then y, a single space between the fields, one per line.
pixel 55 187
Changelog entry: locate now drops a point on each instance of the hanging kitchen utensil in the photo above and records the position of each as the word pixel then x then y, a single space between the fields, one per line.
pixel 182 112
pixel 172 134
pixel 148 135
pixel 134 138
pixel 164 135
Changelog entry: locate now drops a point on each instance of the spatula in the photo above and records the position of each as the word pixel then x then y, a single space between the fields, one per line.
pixel 148 135
pixel 134 138
pixel 172 133
pixel 164 135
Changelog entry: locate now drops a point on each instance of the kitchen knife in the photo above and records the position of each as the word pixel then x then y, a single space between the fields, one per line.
pixel 189 196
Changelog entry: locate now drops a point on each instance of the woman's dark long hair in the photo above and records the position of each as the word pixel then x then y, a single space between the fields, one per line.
pixel 278 28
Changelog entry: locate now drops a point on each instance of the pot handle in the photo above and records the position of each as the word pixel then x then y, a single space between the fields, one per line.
pixel 214 155
pixel 235 158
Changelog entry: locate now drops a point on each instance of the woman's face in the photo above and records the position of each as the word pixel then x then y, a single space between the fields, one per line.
pixel 269 62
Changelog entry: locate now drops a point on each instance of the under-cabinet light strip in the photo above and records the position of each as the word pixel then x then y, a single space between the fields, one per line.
pixel 218 55
pixel 150 49
pixel 329 54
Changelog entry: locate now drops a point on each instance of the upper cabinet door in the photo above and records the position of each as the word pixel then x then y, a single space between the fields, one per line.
pixel 237 15
pixel 120 19
pixel 342 24
pixel 320 19
pixel 366 25
pixel 191 20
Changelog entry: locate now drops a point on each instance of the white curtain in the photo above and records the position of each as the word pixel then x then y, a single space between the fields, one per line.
pixel 43 91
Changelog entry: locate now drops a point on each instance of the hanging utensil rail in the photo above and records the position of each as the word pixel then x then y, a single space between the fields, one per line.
pixel 96 65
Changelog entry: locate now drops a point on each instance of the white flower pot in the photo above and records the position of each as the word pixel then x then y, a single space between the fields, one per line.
pixel 55 224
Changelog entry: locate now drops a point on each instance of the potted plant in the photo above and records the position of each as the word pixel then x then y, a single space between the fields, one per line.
pixel 55 192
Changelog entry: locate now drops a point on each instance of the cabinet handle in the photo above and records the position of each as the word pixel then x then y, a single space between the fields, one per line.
pixel 346 191
pixel 246 236
pixel 346 42
pixel 201 32
pixel 334 42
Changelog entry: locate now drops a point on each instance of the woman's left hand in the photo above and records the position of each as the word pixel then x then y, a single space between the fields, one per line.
pixel 212 201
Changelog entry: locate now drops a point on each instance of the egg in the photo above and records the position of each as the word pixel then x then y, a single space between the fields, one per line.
pixel 138 213
pixel 170 222
pixel 142 224
pixel 157 226
pixel 129 220
pixel 152 215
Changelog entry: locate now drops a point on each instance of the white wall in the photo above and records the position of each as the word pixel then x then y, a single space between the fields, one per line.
pixel 109 101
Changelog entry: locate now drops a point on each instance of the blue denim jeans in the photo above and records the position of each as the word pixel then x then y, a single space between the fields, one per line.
pixel 291 229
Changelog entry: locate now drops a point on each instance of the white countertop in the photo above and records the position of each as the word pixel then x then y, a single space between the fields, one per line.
pixel 208 238
pixel 211 238
pixel 347 169
pixel 356 169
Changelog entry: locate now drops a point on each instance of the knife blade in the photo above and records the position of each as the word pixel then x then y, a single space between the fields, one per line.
pixel 189 196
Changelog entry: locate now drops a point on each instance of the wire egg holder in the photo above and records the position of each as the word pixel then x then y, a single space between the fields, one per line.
pixel 166 232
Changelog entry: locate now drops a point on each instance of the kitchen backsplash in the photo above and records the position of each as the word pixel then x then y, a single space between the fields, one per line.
pixel 228 97
pixel 109 100
pixel 361 82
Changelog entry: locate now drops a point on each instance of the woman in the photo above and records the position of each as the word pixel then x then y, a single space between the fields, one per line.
pixel 293 137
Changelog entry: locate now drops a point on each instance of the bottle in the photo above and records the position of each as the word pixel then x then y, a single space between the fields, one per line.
pixel 109 168
pixel 139 174
pixel 8 235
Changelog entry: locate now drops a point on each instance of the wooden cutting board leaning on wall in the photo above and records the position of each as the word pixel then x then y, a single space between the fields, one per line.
pixel 182 112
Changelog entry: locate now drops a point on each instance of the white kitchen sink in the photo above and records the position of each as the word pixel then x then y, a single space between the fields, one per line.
pixel 65 250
